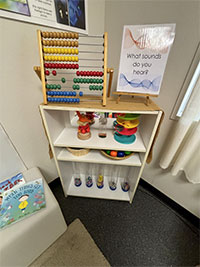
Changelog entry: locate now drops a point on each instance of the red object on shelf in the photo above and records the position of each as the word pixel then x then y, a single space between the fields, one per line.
pixel 54 72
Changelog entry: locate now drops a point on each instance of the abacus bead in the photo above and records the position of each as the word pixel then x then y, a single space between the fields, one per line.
pixel 60 66
pixel 100 87
pixel 47 72
pixel 88 80
pixel 81 93
pixel 77 73
pixel 74 93
pixel 46 65
pixel 63 80
pixel 74 80
pixel 93 87
pixel 91 80
pixel 74 86
pixel 70 66
pixel 59 86
pixel 47 86
pixel 90 87
pixel 51 86
pixel 54 86
pixel 77 66
pixel 62 43
pixel 81 80
pixel 101 80
pixel 96 87
pixel 54 72
pixel 81 73
pixel 78 87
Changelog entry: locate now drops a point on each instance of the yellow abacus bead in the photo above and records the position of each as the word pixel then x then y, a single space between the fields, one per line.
pixel 76 51
pixel 76 59
pixel 63 58
pixel 51 50
pixel 65 51
pixel 55 58
pixel 69 50
pixel 44 49
pixel 72 35
pixel 45 57
pixel 62 50
pixel 73 59
pixel 50 58
pixel 58 50
pixel 70 58
pixel 66 58
pixel 72 51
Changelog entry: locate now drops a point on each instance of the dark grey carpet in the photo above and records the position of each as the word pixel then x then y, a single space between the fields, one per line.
pixel 144 233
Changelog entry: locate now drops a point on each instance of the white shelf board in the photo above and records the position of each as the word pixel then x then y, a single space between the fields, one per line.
pixel 95 156
pixel 68 138
pixel 95 192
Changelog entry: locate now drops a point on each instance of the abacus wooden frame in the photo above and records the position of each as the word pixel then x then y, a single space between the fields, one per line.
pixel 85 98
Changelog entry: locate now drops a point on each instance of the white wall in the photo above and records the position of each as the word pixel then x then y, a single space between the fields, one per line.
pixel 186 16
pixel 21 89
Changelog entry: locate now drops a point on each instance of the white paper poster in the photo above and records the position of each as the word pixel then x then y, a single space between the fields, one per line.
pixel 144 53
pixel 68 15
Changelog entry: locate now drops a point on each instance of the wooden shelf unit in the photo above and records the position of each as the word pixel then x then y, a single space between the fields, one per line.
pixel 61 129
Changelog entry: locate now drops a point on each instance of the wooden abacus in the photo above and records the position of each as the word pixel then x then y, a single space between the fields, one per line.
pixel 59 61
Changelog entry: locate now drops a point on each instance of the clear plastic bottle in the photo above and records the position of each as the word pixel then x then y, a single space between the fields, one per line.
pixel 102 125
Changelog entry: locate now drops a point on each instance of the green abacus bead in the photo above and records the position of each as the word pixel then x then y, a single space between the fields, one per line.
pixel 81 80
pixel 96 87
pixel 48 86
pixel 101 80
pixel 58 86
pixel 93 87
pixel 91 80
pixel 54 86
pixel 74 86
pixel 97 81
pixel 78 87
pixel 85 80
pixel 51 86
pixel 90 87
pixel 74 80
pixel 63 80
pixel 100 87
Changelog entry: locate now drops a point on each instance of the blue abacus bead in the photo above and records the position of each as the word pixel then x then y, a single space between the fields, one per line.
pixel 80 93
pixel 70 93
pixel 75 100
pixel 78 100
pixel 49 99
pixel 74 93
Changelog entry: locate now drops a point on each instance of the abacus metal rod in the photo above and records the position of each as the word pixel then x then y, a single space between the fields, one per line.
pixel 92 36
pixel 90 44
pixel 92 59
pixel 92 52
pixel 98 67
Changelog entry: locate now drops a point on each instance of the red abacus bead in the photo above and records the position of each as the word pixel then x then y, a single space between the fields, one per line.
pixel 77 66
pixel 87 73
pixel 90 73
pixel 70 66
pixel 52 65
pixel 101 73
pixel 77 73
pixel 95 74
pixel 63 66
pixel 46 65
pixel 54 72
pixel 47 72
pixel 67 66
pixel 57 65
pixel 81 72
pixel 73 66
pixel 60 66
pixel 84 73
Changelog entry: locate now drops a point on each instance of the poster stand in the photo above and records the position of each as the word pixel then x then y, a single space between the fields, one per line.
pixel 146 96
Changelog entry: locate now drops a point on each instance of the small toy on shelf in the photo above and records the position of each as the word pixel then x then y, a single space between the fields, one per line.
pixel 100 183
pixel 77 181
pixel 125 186
pixel 90 116
pixel 112 185
pixel 102 125
pixel 84 126
pixel 125 128
pixel 116 155
pixel 89 181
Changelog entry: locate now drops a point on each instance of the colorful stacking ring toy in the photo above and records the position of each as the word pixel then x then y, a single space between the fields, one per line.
pixel 128 117
pixel 128 124
pixel 124 139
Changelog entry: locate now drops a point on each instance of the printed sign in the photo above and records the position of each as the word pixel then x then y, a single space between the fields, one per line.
pixel 144 53
pixel 62 14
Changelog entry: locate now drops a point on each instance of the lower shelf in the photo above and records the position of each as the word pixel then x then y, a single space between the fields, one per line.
pixel 95 192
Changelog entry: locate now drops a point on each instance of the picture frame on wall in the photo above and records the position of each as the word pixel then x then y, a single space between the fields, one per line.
pixel 68 15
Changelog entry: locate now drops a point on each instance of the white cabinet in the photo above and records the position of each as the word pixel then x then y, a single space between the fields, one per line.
pixel 61 128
